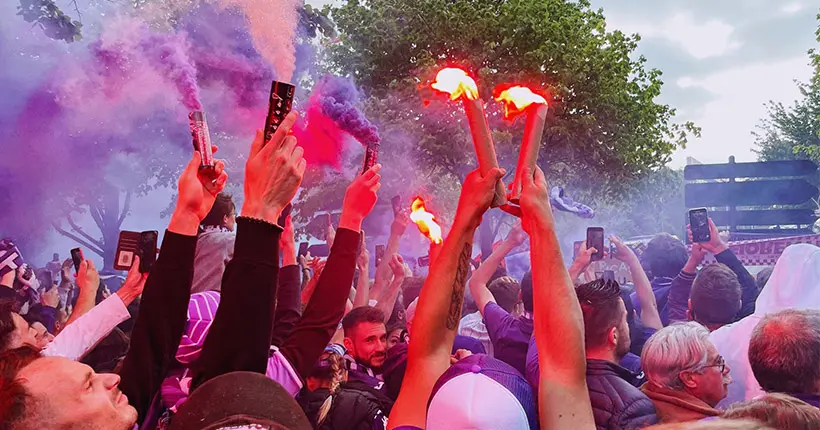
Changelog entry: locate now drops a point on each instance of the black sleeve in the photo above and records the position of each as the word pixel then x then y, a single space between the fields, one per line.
pixel 160 322
pixel 239 339
pixel 326 307
pixel 288 304
pixel 747 282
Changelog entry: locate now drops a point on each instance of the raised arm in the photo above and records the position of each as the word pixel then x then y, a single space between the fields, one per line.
pixel 240 336
pixel 581 262
pixel 439 307
pixel 559 326
pixel 362 297
pixel 164 306
pixel 650 316
pixel 326 307
pixel 88 281
pixel 478 282
pixel 382 277
pixel 678 303
pixel 288 295
pixel 388 301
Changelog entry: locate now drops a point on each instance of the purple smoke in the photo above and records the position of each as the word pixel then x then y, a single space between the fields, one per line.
pixel 339 97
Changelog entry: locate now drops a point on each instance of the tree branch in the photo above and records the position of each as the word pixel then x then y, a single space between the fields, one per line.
pixel 77 239
pixel 96 213
pixel 126 207
pixel 82 233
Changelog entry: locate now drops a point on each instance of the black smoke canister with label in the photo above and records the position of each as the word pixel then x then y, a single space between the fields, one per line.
pixel 371 156
pixel 280 104
pixel 202 139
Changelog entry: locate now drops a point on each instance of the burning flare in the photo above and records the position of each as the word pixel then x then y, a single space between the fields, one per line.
pixel 425 220
pixel 517 99
pixel 456 82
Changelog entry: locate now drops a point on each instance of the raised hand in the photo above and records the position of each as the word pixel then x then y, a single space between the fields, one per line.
pixel 363 260
pixel 399 224
pixel 397 267
pixel 51 297
pixel 273 173
pixel 197 192
pixel 623 252
pixel 88 279
pixel 716 245
pixel 477 193
pixel 517 235
pixel 134 283
pixel 360 198
pixel 535 203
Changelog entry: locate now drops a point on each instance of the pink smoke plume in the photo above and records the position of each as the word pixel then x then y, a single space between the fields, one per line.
pixel 273 28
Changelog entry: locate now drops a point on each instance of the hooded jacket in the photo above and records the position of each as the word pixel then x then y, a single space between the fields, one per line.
pixel 676 406
pixel 354 407
pixel 795 283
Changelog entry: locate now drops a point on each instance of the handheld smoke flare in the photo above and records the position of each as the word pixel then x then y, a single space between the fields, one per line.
pixel 279 106
pixel 459 85
pixel 201 139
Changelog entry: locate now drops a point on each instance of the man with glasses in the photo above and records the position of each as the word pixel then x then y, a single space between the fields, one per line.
pixel 686 376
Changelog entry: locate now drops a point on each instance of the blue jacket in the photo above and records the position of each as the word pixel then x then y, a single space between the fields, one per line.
pixel 616 403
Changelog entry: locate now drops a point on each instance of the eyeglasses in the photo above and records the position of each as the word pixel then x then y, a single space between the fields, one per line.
pixel 720 363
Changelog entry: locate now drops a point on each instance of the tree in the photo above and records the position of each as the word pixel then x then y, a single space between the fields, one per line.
pixel 604 128
pixel 793 132
pixel 53 21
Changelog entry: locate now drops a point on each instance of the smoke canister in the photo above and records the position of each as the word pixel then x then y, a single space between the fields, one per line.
pixel 201 138
pixel 371 156
pixel 280 104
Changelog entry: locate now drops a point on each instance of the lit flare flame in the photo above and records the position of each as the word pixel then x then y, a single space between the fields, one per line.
pixel 425 221
pixel 517 99
pixel 456 82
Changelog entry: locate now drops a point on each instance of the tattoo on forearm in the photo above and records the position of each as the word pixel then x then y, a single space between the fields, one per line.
pixel 459 283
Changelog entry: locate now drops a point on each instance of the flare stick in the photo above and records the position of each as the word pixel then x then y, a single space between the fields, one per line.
pixel 483 143
pixel 533 131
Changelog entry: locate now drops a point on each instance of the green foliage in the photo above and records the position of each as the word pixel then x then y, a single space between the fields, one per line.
pixel 604 129
pixel 48 16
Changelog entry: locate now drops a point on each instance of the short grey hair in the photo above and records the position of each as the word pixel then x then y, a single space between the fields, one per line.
pixel 672 350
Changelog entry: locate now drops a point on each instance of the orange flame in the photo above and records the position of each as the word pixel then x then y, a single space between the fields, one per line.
pixel 517 99
pixel 456 82
pixel 425 221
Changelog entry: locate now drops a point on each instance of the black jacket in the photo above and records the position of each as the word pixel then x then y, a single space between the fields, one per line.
pixel 354 407
pixel 616 403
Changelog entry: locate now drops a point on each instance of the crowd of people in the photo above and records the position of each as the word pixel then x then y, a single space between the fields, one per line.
pixel 232 329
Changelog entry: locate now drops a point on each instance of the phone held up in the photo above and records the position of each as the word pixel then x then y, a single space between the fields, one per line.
pixel 595 239
pixel 699 222
pixel 77 258
pixel 131 244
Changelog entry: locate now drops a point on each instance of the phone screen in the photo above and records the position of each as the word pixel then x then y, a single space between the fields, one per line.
pixel 699 222
pixel 148 250
pixel 284 215
pixel 77 258
pixel 303 249
pixel 595 239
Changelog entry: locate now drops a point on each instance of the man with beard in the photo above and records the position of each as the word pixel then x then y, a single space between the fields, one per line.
pixel 616 402
pixel 366 344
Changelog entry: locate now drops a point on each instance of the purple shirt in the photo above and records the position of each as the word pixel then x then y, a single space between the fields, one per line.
pixel 510 335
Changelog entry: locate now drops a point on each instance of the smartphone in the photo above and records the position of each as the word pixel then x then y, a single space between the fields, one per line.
pixel 595 239
pixel 319 250
pixel 396 202
pixel 424 261
pixel 379 254
pixel 699 222
pixel 285 214
pixel 303 249
pixel 148 250
pixel 131 244
pixel 77 258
